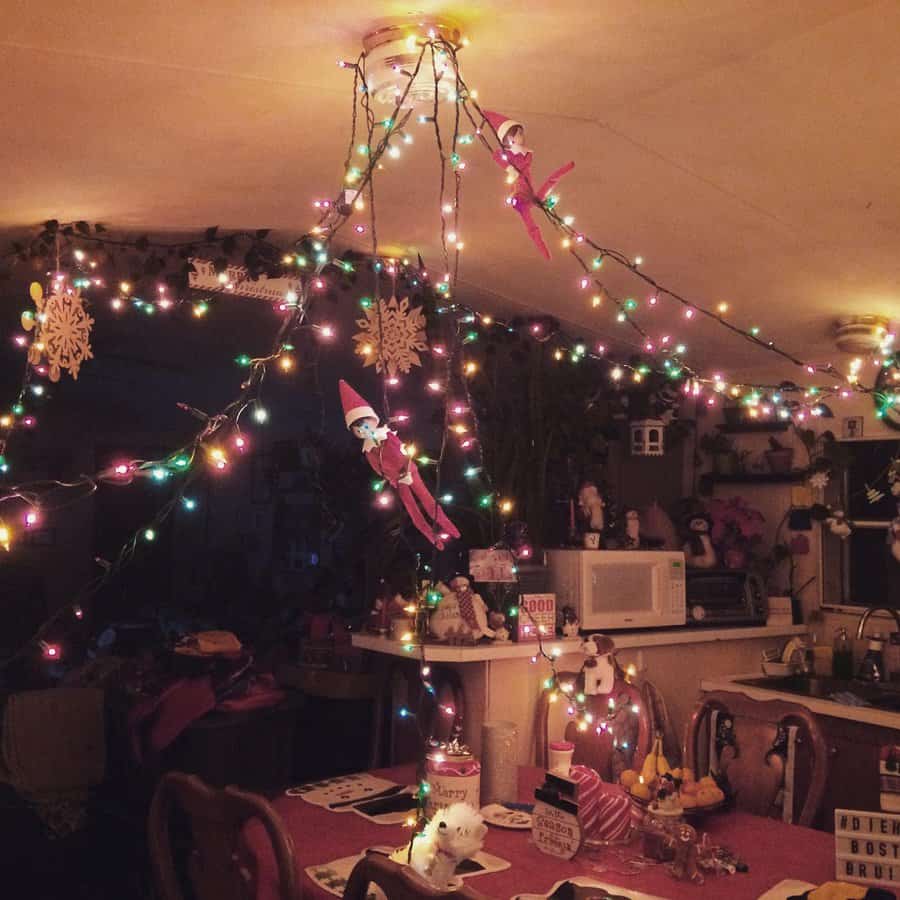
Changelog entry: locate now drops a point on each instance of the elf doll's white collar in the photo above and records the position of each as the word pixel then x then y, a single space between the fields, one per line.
pixel 379 436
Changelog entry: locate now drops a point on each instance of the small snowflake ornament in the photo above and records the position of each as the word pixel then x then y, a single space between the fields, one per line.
pixel 818 480
pixel 391 336
pixel 62 329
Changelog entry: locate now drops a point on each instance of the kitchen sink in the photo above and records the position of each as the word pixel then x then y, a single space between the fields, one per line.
pixel 867 693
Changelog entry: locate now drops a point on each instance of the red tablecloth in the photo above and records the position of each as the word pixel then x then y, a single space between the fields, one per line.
pixel 773 851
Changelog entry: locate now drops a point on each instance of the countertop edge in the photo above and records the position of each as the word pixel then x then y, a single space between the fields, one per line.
pixel 624 640
pixel 868 715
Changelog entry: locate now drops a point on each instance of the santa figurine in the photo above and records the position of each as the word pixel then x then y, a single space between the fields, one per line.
pixel 384 453
pixel 515 158
pixel 591 505
pixel 632 529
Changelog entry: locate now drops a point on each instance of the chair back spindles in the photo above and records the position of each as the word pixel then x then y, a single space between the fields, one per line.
pixel 750 757
pixel 598 750
pixel 215 819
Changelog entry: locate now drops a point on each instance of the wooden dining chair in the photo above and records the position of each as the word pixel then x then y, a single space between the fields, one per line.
pixel 751 747
pixel 592 749
pixel 431 720
pixel 398 882
pixel 215 819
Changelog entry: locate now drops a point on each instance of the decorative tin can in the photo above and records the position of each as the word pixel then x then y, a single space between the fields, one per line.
pixel 454 776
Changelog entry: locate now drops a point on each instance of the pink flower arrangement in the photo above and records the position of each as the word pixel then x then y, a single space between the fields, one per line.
pixel 735 524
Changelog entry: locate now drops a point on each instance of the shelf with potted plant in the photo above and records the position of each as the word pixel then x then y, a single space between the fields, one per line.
pixel 795 476
pixel 751 427
pixel 728 461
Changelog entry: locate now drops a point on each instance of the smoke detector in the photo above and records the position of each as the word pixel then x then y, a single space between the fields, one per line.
pixel 860 334
pixel 392 53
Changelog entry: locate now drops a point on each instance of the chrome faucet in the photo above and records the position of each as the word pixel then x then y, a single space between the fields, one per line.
pixel 861 627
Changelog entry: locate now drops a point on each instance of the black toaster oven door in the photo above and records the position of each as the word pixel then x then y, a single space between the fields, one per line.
pixel 725 597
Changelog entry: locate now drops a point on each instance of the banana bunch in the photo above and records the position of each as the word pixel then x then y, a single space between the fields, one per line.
pixel 655 762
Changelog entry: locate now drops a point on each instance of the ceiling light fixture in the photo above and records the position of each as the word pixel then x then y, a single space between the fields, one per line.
pixel 392 53
pixel 860 334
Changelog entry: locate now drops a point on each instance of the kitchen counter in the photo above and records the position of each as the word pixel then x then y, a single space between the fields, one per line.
pixel 819 705
pixel 625 640
pixel 501 682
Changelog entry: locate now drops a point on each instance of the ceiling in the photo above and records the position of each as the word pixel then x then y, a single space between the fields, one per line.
pixel 748 150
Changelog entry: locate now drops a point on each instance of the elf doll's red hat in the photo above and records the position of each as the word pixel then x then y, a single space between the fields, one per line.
pixel 355 407
pixel 500 124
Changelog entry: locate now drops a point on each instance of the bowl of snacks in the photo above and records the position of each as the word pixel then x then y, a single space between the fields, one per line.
pixel 674 792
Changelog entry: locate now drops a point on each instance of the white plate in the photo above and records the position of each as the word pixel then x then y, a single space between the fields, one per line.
pixel 498 815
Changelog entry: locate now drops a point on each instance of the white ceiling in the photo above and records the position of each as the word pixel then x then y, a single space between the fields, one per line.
pixel 747 149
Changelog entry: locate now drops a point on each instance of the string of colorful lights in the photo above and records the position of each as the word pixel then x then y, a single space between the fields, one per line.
pixel 312 255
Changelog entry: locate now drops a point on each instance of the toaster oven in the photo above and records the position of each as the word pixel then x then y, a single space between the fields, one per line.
pixel 725 597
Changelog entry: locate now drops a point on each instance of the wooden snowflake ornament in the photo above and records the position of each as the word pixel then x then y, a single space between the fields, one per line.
pixel 62 329
pixel 391 336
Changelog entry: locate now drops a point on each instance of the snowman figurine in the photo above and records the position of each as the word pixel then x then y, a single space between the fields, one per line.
pixel 699 552
pixel 893 539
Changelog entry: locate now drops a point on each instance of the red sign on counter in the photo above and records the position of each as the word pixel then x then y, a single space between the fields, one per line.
pixel 537 616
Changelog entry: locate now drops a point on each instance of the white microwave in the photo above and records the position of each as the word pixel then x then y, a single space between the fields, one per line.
pixel 620 588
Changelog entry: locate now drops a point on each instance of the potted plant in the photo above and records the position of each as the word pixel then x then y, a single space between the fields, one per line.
pixel 736 530
pixel 779 458
pixel 721 450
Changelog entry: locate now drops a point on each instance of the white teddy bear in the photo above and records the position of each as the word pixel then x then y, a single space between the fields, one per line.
pixel 454 833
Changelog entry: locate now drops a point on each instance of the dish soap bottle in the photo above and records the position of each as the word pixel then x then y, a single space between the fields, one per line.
pixel 842 659
pixel 872 668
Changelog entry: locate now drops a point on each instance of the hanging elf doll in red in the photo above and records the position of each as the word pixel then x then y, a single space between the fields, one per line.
pixel 384 453
pixel 515 158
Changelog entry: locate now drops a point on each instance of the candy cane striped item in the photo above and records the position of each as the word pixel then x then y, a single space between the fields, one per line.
pixel 614 813
pixel 589 785
pixel 605 810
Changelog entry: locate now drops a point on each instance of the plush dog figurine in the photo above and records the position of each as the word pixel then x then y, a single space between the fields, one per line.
pixel 454 833
pixel 600 666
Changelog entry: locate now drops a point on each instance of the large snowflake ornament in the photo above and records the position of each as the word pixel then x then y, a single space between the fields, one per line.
pixel 391 336
pixel 62 329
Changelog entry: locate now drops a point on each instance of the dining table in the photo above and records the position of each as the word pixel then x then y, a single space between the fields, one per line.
pixel 773 851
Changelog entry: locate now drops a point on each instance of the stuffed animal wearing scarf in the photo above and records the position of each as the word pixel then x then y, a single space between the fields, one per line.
pixel 461 614
pixel 515 158
pixel 454 834
pixel 384 453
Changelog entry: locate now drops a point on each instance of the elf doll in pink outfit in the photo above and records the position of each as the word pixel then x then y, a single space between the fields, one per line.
pixel 384 453
pixel 515 158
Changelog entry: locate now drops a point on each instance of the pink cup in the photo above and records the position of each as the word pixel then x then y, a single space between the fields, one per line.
pixel 560 757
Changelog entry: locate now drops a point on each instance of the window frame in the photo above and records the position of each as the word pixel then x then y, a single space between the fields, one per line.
pixel 846 605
